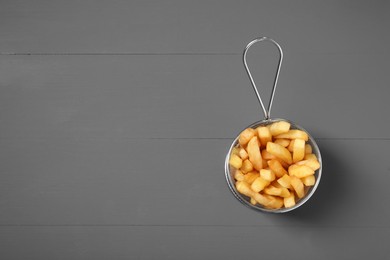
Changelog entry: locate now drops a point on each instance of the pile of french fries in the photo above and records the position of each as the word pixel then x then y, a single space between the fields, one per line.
pixel 273 165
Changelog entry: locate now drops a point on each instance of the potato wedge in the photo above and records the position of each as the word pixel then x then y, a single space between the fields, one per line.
pixel 246 136
pixel 277 168
pixel 300 171
pixel 254 153
pixel 235 161
pixel 259 184
pixel 294 134
pixel 298 150
pixel 267 175
pixel 297 184
pixel 279 151
pixel 278 128
pixel 264 135
pixel 282 142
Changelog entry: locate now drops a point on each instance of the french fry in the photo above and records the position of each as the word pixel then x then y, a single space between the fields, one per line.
pixel 277 168
pixel 289 201
pixel 243 154
pixel 309 180
pixel 282 142
pixel 308 148
pixel 267 175
pixel 253 201
pixel 274 202
pixel 300 171
pixel 278 128
pixel 259 184
pixel 310 156
pixel 279 151
pixel 266 155
pixel 235 150
pixel 290 146
pixel 246 166
pixel 285 181
pixel 250 177
pixel 264 135
pixel 294 134
pixel 298 150
pixel 254 153
pixel 297 184
pixel 245 189
pixel 239 176
pixel 264 163
pixel 235 161
pixel 314 164
pixel 245 136
pixel 282 192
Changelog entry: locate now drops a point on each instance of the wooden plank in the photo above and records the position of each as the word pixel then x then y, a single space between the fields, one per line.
pixel 94 97
pixel 192 243
pixel 176 26
pixel 176 182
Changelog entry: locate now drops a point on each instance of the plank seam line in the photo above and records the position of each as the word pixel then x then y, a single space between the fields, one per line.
pixel 118 54
pixel 179 225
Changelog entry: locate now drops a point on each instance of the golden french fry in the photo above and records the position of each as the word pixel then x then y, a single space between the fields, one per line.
pixel 314 164
pixel 274 202
pixel 265 163
pixel 239 176
pixel 250 177
pixel 235 150
pixel 282 142
pixel 285 181
pixel 245 189
pixel 282 192
pixel 259 184
pixel 264 135
pixel 300 171
pixel 253 201
pixel 294 134
pixel 278 128
pixel 245 136
pixel 290 147
pixel 243 154
pixel 297 184
pixel 298 150
pixel 277 168
pixel 310 156
pixel 289 201
pixel 254 153
pixel 266 155
pixel 279 151
pixel 235 161
pixel 309 180
pixel 308 148
pixel 267 175
pixel 246 166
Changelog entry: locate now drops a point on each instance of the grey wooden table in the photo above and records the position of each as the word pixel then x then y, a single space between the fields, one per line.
pixel 115 117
